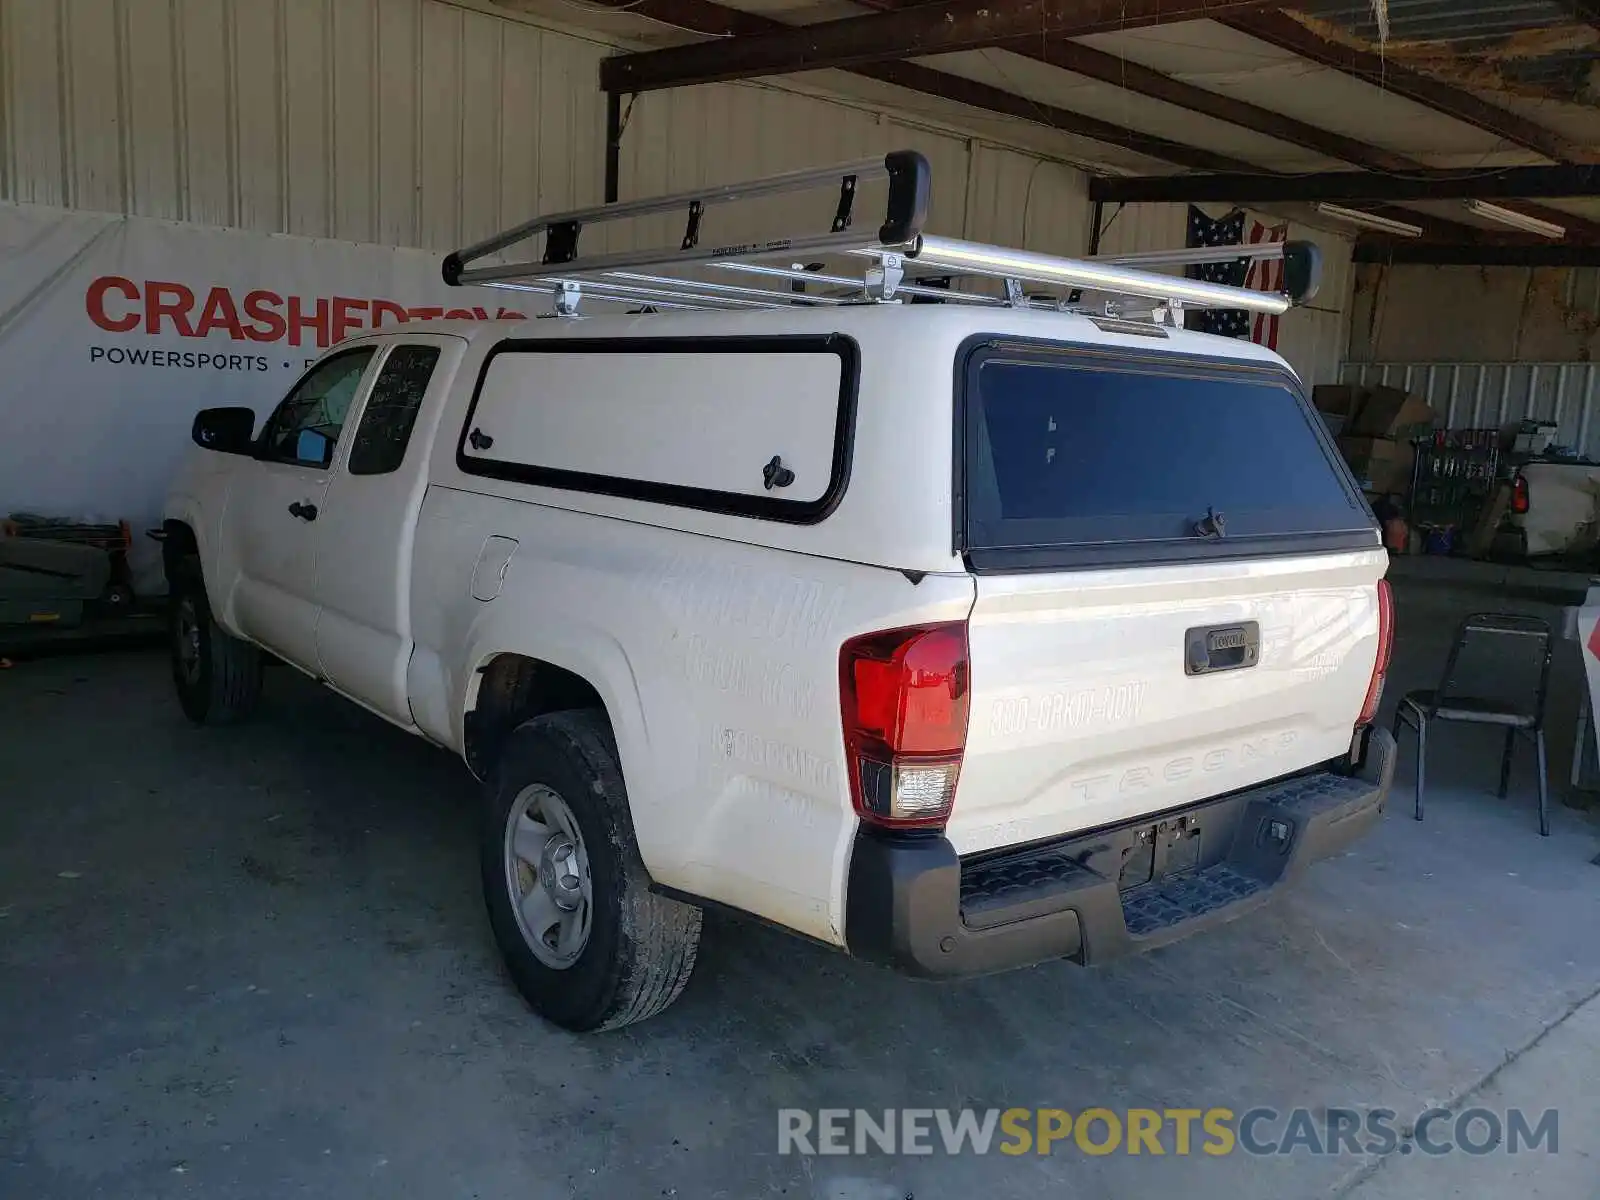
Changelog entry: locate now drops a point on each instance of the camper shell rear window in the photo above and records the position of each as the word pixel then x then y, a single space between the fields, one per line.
pixel 1077 456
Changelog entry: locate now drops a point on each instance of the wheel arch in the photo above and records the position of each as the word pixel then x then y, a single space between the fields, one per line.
pixel 178 542
pixel 510 687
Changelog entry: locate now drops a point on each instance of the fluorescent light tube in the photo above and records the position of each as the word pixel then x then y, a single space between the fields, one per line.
pixel 1354 216
pixel 1505 216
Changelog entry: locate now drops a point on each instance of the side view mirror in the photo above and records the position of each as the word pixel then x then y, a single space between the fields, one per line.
pixel 225 430
pixel 313 448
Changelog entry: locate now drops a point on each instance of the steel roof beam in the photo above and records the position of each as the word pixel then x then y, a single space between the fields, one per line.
pixel 717 21
pixel 938 28
pixel 1507 183
pixel 1283 31
pixel 1475 254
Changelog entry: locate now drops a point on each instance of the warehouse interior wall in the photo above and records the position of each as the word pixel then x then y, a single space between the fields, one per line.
pixel 1475 314
pixel 430 124
pixel 396 122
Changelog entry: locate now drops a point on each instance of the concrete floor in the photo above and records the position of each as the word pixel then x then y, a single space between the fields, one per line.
pixel 252 963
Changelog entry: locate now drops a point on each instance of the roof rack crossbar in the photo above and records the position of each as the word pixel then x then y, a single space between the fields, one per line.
pixel 907 263
pixel 800 275
pixel 724 289
pixel 1090 275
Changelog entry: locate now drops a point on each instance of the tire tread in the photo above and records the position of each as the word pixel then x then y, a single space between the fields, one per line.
pixel 658 937
pixel 234 667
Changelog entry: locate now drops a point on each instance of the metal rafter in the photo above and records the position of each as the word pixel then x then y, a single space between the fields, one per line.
pixel 1281 30
pixel 1507 183
pixel 1145 81
pixel 938 28
pixel 716 21
pixel 1476 254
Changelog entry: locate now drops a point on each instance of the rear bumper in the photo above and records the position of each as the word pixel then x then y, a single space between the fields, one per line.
pixel 915 906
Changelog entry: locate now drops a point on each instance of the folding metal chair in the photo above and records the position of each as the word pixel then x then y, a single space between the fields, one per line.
pixel 1445 703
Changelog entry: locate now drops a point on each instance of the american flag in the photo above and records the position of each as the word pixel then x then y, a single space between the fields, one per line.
pixel 1260 274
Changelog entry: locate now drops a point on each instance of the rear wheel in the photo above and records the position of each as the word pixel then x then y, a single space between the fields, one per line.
pixel 218 677
pixel 583 937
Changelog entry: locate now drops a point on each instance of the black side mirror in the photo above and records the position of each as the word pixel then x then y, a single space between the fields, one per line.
pixel 226 430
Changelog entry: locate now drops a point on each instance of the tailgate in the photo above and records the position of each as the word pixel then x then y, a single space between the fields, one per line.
pixel 1176 585
pixel 1091 703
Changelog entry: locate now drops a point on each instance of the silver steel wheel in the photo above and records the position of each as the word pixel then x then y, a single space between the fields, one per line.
pixel 547 874
pixel 187 641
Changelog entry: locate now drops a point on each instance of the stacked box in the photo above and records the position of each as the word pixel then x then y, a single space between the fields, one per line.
pixel 1375 428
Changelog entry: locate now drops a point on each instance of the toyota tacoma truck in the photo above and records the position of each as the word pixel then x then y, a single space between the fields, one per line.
pixel 957 636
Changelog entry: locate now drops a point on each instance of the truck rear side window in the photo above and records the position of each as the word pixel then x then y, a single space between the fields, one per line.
pixel 1081 451
pixel 385 429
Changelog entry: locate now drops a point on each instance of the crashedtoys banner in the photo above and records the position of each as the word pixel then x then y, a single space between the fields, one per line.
pixel 115 331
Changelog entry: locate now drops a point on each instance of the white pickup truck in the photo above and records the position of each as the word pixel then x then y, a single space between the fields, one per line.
pixel 956 636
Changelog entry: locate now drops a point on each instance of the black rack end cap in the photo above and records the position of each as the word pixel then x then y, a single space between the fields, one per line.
pixel 451 270
pixel 910 190
pixel 1302 271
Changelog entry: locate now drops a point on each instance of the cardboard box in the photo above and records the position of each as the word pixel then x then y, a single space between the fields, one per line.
pixel 1379 464
pixel 1339 399
pixel 1374 412
pixel 1388 412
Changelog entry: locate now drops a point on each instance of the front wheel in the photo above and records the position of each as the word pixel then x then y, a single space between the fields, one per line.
pixel 218 677
pixel 583 937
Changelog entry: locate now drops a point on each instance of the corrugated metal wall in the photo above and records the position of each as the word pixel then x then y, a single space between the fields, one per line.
pixel 424 123
pixel 1476 395
pixel 401 122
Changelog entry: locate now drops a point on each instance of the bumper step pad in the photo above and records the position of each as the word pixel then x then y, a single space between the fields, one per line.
pixel 1173 901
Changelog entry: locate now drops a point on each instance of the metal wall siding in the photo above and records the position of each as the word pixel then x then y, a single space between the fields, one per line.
pixel 403 122
pixel 259 135
pixel 1475 395
pixel 355 117
pixel 1132 228
pixel 36 171
pixel 1019 200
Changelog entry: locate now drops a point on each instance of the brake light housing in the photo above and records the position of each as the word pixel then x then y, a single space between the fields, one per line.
pixel 905 696
pixel 1380 666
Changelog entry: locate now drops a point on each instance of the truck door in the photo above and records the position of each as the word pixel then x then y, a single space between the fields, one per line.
pixel 366 530
pixel 275 505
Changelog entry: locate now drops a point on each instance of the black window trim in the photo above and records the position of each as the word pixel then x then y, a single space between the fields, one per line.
pixel 389 350
pixel 737 504
pixel 260 452
pixel 1021 559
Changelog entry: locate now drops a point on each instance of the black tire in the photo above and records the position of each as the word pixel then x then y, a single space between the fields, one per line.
pixel 218 677
pixel 641 946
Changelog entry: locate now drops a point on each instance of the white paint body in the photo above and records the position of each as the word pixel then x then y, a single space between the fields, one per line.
pixel 714 639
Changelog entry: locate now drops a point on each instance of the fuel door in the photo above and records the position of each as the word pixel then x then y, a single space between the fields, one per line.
pixel 489 573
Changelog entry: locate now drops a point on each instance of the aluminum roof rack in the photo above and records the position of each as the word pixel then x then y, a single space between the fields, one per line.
pixel 901 261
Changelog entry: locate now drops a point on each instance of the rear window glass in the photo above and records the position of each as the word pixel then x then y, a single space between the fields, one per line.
pixel 1067 449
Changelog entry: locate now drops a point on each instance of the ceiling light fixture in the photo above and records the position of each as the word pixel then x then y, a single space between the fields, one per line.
pixel 1354 216
pixel 1506 216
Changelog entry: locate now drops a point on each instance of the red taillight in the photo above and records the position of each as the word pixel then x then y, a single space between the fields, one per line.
pixel 1519 494
pixel 904 695
pixel 1380 666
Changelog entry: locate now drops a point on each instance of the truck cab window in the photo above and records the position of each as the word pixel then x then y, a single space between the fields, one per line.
pixel 385 429
pixel 305 427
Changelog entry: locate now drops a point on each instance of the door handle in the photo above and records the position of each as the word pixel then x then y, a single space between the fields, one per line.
pixel 306 512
